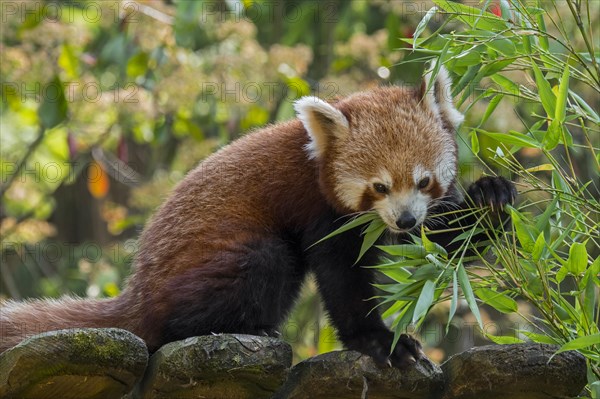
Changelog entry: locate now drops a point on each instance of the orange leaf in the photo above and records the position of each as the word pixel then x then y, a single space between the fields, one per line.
pixel 98 182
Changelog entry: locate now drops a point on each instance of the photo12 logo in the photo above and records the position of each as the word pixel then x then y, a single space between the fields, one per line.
pixel 35 12
pixel 54 91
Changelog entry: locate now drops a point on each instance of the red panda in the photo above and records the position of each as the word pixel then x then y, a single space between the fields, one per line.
pixel 230 248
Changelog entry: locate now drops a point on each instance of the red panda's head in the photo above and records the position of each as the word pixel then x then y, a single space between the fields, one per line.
pixel 391 149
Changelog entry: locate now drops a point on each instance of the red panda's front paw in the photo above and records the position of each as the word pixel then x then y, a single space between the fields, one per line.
pixel 407 352
pixel 495 192
pixel 378 344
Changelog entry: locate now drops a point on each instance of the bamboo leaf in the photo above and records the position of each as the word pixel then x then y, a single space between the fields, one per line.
pixel 539 338
pixel 589 303
pixel 563 93
pixel 491 108
pixel 547 96
pixel 424 301
pixel 578 258
pixel 466 58
pixel 497 300
pixel 466 234
pixel 411 251
pixel 504 339
pixel 472 16
pixel 524 234
pixel 466 79
pixel 513 138
pixel 543 220
pixel 538 247
pixel 358 221
pixel 432 247
pixel 437 66
pixel 398 274
pixel 454 301
pixel 370 238
pixel 540 168
pixel 553 134
pixel 593 115
pixel 474 142
pixel 400 263
pixel 402 322
pixel 506 10
pixel 544 44
pixel 503 45
pixel 427 271
pixel 468 293
pixel 580 343
pixel 507 84
pixel 496 66
pixel 396 306
pixel 423 24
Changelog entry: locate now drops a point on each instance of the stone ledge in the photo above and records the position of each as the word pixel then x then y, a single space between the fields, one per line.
pixel 518 371
pixel 349 374
pixel 110 363
pixel 78 364
pixel 217 366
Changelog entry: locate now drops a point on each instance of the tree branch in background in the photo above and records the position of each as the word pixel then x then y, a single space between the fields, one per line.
pixel 32 147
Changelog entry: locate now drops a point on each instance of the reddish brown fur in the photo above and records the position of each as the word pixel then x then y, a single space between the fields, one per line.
pixel 262 184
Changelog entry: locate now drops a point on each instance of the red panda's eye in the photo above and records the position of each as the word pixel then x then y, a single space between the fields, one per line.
pixel 380 188
pixel 424 182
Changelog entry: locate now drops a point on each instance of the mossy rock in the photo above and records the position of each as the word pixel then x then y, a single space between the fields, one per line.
pixel 217 366
pixel 77 364
pixel 519 371
pixel 349 374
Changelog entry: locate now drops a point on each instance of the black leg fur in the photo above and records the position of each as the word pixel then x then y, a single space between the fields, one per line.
pixel 246 291
pixel 346 288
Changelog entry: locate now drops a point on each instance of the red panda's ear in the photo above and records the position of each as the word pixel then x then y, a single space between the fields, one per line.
pixel 323 122
pixel 437 96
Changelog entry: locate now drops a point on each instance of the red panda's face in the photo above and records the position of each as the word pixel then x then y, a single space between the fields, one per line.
pixel 391 150
pixel 398 163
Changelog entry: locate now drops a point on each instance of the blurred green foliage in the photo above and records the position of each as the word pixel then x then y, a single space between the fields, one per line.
pixel 107 104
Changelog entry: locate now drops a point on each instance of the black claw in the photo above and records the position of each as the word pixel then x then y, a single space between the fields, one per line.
pixel 513 192
pixel 476 195
pixel 377 344
pixel 407 352
pixel 495 192
pixel 411 344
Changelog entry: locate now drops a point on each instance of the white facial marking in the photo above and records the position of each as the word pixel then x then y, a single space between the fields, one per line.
pixel 419 173
pixel 384 177
pixel 391 207
pixel 349 190
pixel 445 169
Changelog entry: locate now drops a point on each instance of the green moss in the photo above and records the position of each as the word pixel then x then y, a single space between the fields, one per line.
pixel 90 345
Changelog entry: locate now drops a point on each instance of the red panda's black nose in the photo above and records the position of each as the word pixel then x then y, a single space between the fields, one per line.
pixel 406 221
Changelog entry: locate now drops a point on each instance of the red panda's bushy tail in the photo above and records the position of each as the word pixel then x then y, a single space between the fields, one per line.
pixel 22 319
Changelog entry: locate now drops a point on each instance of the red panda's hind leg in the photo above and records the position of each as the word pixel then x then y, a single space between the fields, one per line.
pixel 248 290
